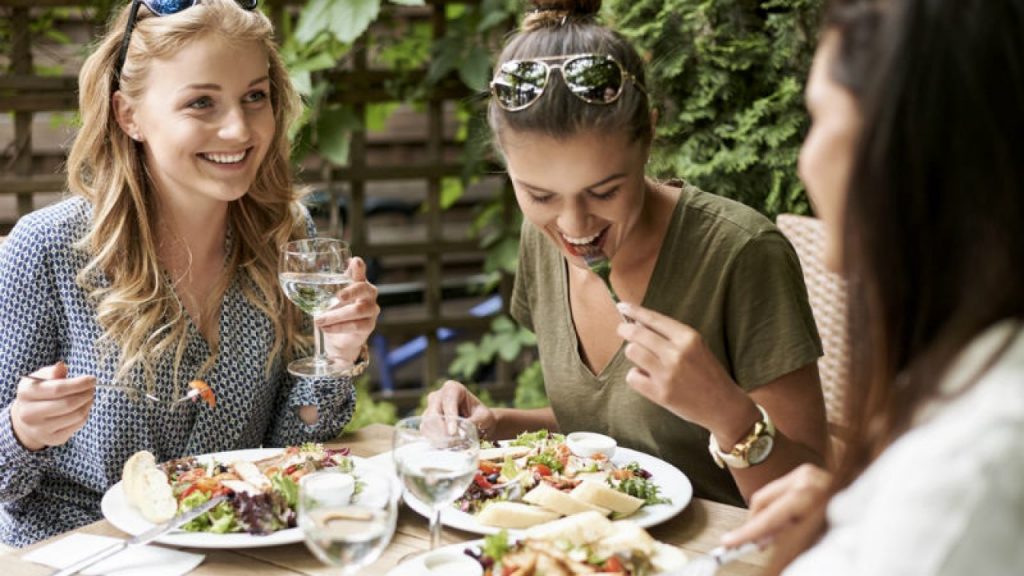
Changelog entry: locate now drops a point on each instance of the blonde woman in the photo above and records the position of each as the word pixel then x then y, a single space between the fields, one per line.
pixel 161 268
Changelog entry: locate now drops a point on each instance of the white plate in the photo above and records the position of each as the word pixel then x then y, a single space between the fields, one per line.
pixel 118 512
pixel 673 485
pixel 415 567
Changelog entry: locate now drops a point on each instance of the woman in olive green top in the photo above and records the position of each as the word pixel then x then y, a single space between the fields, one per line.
pixel 720 346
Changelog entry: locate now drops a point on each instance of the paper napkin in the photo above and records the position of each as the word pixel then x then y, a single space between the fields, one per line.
pixel 134 561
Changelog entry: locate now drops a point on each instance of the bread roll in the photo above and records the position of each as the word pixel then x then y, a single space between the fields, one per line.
pixel 605 496
pixel 514 515
pixel 547 496
pixel 131 475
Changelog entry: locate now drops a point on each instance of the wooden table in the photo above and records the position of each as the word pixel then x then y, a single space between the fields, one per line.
pixel 696 530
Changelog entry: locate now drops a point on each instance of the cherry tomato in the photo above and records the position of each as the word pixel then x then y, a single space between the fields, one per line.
pixel 542 469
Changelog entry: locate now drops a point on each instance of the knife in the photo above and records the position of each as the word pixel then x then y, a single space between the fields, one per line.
pixel 142 539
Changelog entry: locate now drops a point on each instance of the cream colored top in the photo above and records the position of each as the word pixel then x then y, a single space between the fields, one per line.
pixel 947 497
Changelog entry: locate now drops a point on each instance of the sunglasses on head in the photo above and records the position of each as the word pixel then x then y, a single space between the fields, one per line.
pixel 593 78
pixel 160 8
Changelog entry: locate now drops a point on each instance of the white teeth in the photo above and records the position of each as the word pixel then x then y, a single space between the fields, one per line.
pixel 581 241
pixel 225 158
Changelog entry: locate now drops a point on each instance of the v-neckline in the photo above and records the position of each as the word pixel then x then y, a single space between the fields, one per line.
pixel 653 287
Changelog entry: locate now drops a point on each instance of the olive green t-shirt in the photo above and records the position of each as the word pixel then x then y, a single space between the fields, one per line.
pixel 723 269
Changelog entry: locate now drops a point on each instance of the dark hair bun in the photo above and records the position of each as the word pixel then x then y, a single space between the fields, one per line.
pixel 555 12
pixel 572 7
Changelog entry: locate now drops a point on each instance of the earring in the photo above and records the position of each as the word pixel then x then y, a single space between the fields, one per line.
pixel 135 136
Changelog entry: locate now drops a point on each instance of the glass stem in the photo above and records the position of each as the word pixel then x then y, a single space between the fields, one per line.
pixel 435 528
pixel 321 350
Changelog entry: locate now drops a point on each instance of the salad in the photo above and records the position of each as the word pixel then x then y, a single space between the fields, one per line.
pixel 587 543
pixel 537 478
pixel 263 494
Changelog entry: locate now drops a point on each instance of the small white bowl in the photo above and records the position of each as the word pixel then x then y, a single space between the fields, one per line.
pixel 448 563
pixel 587 444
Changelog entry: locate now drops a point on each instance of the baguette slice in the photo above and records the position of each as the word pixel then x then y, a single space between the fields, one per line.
pixel 577 529
pixel 547 496
pixel 605 496
pixel 502 452
pixel 514 515
pixel 158 503
pixel 147 488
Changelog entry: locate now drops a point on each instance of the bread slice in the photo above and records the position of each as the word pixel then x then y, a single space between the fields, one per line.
pixel 605 496
pixel 626 536
pixel 502 452
pixel 514 515
pixel 157 504
pixel 547 496
pixel 147 488
pixel 131 475
pixel 577 529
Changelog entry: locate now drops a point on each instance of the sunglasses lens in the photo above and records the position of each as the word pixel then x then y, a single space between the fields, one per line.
pixel 519 83
pixel 595 79
pixel 167 7
pixel 248 4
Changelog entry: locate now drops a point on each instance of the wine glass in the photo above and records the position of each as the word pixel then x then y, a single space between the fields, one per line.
pixel 347 520
pixel 436 457
pixel 311 272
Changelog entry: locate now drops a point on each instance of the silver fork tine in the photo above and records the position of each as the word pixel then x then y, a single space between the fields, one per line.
pixel 191 393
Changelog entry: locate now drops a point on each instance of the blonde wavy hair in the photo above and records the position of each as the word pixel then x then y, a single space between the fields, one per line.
pixel 142 319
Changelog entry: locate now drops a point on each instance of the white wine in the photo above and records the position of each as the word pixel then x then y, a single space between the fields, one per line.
pixel 313 292
pixel 437 476
pixel 349 536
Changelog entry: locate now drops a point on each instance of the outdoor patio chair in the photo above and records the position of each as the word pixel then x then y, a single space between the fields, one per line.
pixel 827 294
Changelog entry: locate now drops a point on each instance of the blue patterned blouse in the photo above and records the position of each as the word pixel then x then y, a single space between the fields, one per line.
pixel 45 317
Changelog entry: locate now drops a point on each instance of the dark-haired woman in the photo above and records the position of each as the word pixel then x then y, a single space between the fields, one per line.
pixel 723 348
pixel 914 163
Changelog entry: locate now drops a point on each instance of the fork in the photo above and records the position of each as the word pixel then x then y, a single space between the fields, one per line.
pixel 599 264
pixel 193 393
pixel 708 564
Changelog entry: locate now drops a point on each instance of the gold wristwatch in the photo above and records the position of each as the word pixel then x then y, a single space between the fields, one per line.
pixel 752 450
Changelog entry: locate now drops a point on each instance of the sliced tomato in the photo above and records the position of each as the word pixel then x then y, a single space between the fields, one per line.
pixel 488 467
pixel 613 564
pixel 482 482
pixel 541 469
pixel 188 491
pixel 205 392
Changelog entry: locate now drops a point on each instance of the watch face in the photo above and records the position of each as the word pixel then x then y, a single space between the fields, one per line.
pixel 760 449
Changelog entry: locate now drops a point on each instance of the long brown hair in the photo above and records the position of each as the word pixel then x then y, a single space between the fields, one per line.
pixel 143 321
pixel 564 28
pixel 935 207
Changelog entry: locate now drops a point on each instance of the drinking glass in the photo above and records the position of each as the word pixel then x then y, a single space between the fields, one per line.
pixel 436 457
pixel 311 272
pixel 347 520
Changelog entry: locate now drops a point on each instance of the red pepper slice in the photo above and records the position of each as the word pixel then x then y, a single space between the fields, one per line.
pixel 542 469
pixel 482 482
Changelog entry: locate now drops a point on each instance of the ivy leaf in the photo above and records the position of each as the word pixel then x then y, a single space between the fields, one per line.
pixel 345 20
pixel 302 81
pixel 333 129
pixel 451 191
pixel 475 71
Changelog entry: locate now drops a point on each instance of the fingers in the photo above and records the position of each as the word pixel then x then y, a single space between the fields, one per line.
pixel 780 504
pixel 357 269
pixel 659 323
pixel 447 400
pixel 81 386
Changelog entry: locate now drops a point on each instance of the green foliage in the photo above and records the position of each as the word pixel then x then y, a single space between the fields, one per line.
pixel 530 391
pixel 505 340
pixel 729 75
pixel 370 412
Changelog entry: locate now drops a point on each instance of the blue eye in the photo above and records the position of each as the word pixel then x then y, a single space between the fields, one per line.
pixel 256 96
pixel 201 103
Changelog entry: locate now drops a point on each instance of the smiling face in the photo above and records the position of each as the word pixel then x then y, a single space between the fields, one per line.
pixel 205 120
pixel 827 154
pixel 587 189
